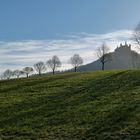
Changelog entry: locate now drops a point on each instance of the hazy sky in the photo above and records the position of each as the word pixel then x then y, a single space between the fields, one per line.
pixel 32 30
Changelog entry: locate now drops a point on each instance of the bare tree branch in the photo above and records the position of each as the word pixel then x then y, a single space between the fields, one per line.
pixel 53 63
pixel 17 73
pixel 40 67
pixel 103 54
pixel 28 70
pixel 137 35
pixel 76 61
pixel 7 74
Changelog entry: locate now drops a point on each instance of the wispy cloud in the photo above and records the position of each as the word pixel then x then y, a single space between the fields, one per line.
pixel 19 54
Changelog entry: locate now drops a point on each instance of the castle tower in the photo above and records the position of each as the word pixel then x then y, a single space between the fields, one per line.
pixel 122 56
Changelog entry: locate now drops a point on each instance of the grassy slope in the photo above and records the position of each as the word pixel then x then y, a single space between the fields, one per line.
pixel 92 105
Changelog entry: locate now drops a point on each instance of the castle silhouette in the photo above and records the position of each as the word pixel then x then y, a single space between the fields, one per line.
pixel 123 57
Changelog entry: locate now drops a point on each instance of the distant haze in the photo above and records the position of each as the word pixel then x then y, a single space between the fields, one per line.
pixel 18 54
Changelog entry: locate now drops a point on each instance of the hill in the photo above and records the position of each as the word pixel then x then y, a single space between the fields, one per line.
pixel 122 58
pixel 73 106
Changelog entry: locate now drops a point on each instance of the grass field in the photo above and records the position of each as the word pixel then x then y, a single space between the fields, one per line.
pixel 72 106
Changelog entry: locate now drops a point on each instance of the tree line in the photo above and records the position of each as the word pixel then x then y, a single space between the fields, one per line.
pixel 102 53
pixel 40 67
pixel 54 63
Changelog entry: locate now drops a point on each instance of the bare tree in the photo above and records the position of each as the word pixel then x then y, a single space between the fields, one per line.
pixel 7 74
pixel 76 61
pixel 17 73
pixel 136 57
pixel 28 70
pixel 137 35
pixel 103 54
pixel 54 63
pixel 40 67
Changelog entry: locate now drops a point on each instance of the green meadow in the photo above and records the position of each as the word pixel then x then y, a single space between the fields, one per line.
pixel 72 106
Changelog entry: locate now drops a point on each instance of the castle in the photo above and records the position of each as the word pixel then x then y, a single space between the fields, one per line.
pixel 122 58
pixel 123 48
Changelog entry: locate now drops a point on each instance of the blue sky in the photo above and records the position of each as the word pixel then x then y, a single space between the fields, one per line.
pixel 41 19
pixel 35 30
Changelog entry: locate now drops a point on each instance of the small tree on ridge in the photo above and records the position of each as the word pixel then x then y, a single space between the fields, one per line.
pixel 76 61
pixel 54 63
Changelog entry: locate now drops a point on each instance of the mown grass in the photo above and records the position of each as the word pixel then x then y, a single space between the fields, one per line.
pixel 74 106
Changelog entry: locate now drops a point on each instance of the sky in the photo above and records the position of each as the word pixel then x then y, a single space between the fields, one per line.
pixel 35 30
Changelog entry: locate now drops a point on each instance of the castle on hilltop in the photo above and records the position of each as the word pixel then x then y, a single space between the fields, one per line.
pixel 123 48
pixel 123 57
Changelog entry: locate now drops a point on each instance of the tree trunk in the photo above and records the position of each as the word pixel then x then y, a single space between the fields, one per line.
pixel 103 66
pixel 39 72
pixel 53 71
pixel 75 69
pixel 26 74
